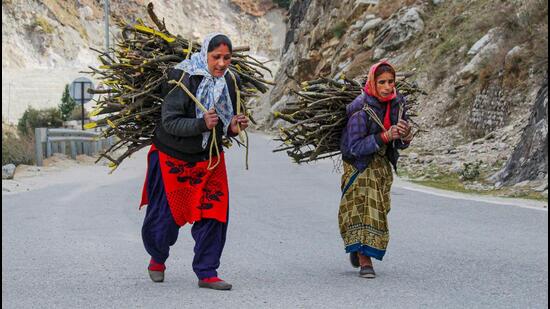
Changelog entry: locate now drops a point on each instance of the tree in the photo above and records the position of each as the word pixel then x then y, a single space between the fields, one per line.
pixel 67 104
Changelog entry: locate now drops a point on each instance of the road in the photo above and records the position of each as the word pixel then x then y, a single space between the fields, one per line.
pixel 76 244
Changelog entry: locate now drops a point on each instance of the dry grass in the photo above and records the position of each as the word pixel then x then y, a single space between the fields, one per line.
pixel 387 7
pixel 43 24
pixel 66 13
pixel 516 73
pixel 454 26
pixel 255 8
pixel 16 149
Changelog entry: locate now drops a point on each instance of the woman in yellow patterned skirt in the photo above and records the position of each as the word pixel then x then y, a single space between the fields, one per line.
pixel 377 128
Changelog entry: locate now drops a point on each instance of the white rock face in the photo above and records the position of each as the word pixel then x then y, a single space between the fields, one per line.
pixel 371 24
pixel 482 50
pixel 484 41
pixel 40 54
pixel 403 26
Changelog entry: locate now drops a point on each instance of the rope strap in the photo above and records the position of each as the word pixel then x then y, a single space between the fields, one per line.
pixel 376 119
pixel 214 142
pixel 239 103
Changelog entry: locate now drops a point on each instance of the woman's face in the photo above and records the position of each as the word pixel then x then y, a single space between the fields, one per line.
pixel 219 60
pixel 385 84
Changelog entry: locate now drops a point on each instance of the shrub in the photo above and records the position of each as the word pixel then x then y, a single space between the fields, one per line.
pixel 471 171
pixel 17 149
pixel 516 72
pixel 34 118
pixel 339 29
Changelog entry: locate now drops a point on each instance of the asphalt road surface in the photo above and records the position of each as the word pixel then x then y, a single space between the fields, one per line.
pixel 76 244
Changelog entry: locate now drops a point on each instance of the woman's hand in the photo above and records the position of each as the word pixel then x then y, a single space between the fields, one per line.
pixel 391 135
pixel 211 119
pixel 239 121
pixel 404 128
pixel 405 131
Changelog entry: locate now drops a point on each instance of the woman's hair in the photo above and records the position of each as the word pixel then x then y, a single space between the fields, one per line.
pixel 218 40
pixel 384 68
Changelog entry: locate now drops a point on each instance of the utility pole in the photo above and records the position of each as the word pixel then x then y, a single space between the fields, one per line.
pixel 106 9
pixel 107 12
pixel 82 103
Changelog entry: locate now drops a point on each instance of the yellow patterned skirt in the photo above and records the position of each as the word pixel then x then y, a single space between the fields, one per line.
pixel 365 206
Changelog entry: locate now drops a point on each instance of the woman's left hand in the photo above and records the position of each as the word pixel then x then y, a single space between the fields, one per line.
pixel 404 128
pixel 239 120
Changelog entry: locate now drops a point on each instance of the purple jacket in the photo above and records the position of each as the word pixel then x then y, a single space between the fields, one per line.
pixel 361 137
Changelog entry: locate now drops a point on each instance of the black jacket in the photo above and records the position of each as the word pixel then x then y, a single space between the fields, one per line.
pixel 179 134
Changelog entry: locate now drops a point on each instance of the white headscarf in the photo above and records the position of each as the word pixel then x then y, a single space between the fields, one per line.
pixel 212 91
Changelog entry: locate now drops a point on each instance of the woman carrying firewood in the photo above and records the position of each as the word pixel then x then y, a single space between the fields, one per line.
pixel 186 178
pixel 377 128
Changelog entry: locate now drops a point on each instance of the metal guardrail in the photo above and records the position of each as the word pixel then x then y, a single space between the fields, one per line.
pixel 76 142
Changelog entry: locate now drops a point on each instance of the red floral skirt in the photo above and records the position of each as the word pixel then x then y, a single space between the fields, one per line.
pixel 193 192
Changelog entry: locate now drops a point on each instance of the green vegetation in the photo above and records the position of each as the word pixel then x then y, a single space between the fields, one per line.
pixel 457 24
pixel 449 46
pixel 451 183
pixel 471 171
pixel 34 118
pixel 67 104
pixel 43 24
pixel 444 182
pixel 339 29
pixel 283 3
pixel 454 182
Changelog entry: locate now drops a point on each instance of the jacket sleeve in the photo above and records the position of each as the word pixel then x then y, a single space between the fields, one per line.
pixel 400 144
pixel 176 102
pixel 361 143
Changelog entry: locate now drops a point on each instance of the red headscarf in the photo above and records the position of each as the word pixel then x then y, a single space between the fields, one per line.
pixel 370 89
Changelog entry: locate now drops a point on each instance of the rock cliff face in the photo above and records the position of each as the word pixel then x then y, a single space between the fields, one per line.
pixel 529 160
pixel 482 63
pixel 45 43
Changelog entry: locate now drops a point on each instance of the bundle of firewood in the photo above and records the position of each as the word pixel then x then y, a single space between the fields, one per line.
pixel 318 116
pixel 134 71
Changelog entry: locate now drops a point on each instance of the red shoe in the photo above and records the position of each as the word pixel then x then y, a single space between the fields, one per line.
pixel 156 271
pixel 214 283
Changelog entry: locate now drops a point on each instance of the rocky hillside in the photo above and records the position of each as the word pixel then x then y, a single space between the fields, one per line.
pixel 483 63
pixel 45 43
